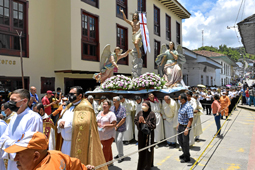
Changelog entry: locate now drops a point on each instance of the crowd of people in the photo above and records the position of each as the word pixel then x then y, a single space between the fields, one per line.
pixel 77 130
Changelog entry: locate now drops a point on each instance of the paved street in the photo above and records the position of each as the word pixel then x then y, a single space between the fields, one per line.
pixel 229 153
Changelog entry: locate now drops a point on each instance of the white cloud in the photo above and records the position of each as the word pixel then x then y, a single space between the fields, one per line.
pixel 214 22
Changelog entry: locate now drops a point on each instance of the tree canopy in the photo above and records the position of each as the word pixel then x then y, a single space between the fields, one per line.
pixel 233 53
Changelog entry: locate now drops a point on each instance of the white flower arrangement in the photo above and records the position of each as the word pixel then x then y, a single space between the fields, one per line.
pixel 148 81
pixel 117 82
pixel 145 81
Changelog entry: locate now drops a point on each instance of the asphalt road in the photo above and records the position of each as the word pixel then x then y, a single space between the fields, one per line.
pixel 230 152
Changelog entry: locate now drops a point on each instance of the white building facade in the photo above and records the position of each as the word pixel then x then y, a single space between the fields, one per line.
pixel 199 69
pixel 63 40
pixel 224 74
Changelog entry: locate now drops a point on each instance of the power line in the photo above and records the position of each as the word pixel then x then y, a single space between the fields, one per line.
pixel 239 11
pixel 243 10
pixel 236 20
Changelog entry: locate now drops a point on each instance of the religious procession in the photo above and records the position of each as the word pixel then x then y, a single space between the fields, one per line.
pixel 102 107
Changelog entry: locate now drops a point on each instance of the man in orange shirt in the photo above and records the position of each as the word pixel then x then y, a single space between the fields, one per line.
pixel 32 154
pixel 224 102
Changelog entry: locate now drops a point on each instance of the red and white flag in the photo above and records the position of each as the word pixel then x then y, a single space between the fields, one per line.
pixel 145 32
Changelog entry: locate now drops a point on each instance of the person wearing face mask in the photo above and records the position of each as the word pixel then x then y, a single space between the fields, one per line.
pixel 170 115
pixel 3 126
pixel 24 121
pixel 156 108
pixel 78 128
pixel 224 102
pixel 6 111
pixel 48 125
pixel 145 122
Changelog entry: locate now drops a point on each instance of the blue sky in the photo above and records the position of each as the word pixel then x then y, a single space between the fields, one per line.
pixel 198 5
pixel 213 16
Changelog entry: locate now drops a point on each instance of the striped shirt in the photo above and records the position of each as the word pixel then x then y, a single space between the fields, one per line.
pixel 185 113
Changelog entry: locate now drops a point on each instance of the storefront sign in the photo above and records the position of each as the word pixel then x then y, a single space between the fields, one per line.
pixel 9 62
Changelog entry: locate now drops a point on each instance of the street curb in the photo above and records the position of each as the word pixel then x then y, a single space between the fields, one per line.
pixel 245 107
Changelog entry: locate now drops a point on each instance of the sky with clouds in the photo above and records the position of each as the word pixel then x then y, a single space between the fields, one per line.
pixel 213 16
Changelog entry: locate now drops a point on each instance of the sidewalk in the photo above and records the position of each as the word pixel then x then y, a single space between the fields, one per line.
pixel 252 108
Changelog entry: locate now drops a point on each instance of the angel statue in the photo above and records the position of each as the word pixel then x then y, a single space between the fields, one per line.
pixel 169 61
pixel 108 62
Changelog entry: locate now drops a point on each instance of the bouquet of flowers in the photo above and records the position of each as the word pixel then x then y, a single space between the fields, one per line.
pixel 148 81
pixel 119 82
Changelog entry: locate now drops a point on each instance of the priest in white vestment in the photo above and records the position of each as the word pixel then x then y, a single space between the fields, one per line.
pixel 193 103
pixel 93 103
pixel 138 108
pixel 48 125
pixel 65 128
pixel 3 126
pixel 65 123
pixel 129 106
pixel 170 116
pixel 156 108
pixel 24 121
pixel 197 120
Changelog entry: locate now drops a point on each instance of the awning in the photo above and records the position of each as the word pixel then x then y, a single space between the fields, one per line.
pixel 176 7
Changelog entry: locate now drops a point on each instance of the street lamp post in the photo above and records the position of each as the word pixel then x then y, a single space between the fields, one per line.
pixel 21 59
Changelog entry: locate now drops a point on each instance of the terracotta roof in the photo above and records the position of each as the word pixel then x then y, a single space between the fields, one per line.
pixel 209 53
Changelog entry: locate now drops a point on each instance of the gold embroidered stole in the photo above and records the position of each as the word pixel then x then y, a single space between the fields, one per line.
pixel 86 144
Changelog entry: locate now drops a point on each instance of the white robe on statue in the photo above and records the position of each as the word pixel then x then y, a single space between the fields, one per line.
pixel 52 141
pixel 193 103
pixel 197 120
pixel 3 126
pixel 159 131
pixel 66 132
pixel 170 114
pixel 138 108
pixel 129 106
pixel 19 124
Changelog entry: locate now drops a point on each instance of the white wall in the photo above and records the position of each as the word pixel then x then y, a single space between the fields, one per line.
pixel 194 71
pixel 220 75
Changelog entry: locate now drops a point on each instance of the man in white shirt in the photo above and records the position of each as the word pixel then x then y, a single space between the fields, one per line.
pixel 129 106
pixel 48 125
pixel 170 116
pixel 202 98
pixel 24 121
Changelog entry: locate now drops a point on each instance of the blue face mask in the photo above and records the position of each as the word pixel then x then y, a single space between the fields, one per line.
pixel 3 113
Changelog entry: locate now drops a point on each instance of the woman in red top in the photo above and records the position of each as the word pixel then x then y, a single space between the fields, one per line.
pixel 216 112
pixel 247 96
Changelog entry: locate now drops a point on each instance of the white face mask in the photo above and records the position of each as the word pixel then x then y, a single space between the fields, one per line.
pixel 145 109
